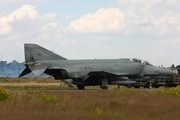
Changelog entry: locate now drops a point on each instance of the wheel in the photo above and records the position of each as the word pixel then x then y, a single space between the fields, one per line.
pixel 129 86
pixel 156 86
pixel 80 87
pixel 148 85
pixel 104 88
pixel 167 84
pixel 136 86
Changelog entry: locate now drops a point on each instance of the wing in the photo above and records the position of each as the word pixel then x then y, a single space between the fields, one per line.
pixel 113 78
pixel 106 74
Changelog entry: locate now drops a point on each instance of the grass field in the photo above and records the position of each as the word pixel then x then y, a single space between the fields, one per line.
pixel 28 80
pixel 33 83
pixel 97 104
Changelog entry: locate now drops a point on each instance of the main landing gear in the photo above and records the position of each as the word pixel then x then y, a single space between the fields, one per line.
pixel 80 87
pixel 104 83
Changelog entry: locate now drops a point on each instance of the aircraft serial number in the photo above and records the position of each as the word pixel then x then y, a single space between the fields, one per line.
pixel 85 68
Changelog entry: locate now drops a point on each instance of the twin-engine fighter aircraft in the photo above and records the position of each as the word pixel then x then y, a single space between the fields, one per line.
pixel 92 72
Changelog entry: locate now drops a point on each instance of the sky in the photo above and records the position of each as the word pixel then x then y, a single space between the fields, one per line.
pixel 84 29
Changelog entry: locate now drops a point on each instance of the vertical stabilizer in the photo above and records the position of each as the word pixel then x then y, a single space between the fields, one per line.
pixel 35 52
pixel 28 55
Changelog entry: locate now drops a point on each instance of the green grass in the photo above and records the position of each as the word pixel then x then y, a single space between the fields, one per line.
pixel 28 80
pixel 90 104
pixel 94 103
pixel 34 82
pixel 9 87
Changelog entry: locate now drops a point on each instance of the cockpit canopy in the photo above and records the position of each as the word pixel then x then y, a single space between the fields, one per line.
pixel 140 61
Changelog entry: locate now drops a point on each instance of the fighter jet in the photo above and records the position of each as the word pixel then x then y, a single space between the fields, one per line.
pixel 90 72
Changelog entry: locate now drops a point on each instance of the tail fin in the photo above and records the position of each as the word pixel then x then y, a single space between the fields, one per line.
pixel 35 52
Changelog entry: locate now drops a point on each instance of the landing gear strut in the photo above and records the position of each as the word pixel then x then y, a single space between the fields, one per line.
pixel 104 83
pixel 148 84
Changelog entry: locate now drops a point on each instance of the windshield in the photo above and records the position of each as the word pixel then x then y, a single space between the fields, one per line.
pixel 147 63
pixel 141 61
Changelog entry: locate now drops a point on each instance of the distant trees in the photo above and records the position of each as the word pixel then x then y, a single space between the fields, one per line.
pixel 12 69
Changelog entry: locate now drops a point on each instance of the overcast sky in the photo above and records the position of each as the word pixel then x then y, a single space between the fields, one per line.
pixel 88 29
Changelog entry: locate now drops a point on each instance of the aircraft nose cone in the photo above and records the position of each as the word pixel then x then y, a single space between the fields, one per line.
pixel 165 71
pixel 174 72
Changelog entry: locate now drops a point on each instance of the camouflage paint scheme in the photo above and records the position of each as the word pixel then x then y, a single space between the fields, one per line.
pixel 90 72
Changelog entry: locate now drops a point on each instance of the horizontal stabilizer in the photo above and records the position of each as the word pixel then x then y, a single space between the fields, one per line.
pixel 38 70
pixel 25 72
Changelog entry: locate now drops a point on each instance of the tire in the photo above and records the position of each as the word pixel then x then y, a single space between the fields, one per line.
pixel 130 86
pixel 80 87
pixel 167 85
pixel 156 86
pixel 136 86
pixel 104 88
pixel 148 85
